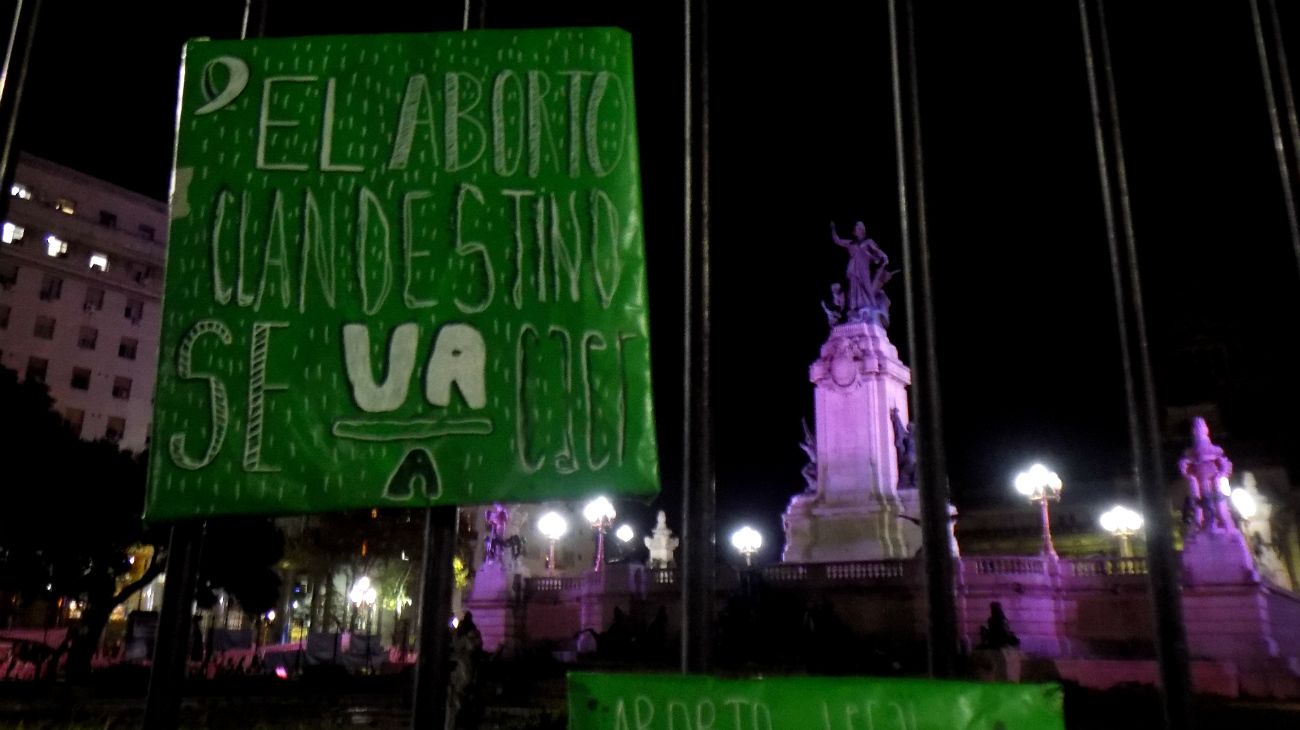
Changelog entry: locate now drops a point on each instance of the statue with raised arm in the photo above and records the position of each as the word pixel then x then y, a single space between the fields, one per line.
pixel 1206 467
pixel 867 274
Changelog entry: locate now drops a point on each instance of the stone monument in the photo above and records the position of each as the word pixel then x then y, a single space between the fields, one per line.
pixel 1214 550
pixel 861 502
pixel 496 582
pixel 661 544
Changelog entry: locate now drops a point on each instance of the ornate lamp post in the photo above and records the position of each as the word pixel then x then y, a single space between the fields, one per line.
pixel 363 593
pixel 1041 485
pixel 553 526
pixel 1123 523
pixel 600 513
pixel 747 541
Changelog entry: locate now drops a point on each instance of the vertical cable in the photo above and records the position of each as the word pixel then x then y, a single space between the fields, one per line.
pixel 933 472
pixel 1283 166
pixel 698 487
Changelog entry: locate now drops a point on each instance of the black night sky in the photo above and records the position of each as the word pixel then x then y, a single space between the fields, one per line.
pixel 803 135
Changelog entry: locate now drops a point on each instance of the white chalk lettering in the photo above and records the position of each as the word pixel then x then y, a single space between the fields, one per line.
pixel 275 255
pixel 539 129
pixel 565 463
pixel 219 409
pixel 705 720
pixel 501 163
pixel 521 414
pixel 575 121
pixel 220 290
pixel 375 397
pixel 456 110
pixel 645 712
pixel 601 200
pixel 598 88
pixel 517 289
pixel 410 253
pixel 591 341
pixel 470 248
pixel 570 260
pixel 416 111
pixel 460 357
pixel 327 136
pixel 265 123
pixel 258 355
pixel 317 249
pixel 368 205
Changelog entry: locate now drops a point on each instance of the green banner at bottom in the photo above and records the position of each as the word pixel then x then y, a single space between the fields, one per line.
pixel 693 702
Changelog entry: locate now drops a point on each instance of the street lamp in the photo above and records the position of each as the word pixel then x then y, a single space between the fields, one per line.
pixel 1041 485
pixel 363 593
pixel 600 513
pixel 1123 523
pixel 553 526
pixel 1244 502
pixel 625 533
pixel 747 541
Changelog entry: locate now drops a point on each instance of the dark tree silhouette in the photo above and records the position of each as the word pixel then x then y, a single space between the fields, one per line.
pixel 73 510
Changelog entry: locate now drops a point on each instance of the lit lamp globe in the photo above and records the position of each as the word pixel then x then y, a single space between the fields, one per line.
pixel 1123 523
pixel 1244 503
pixel 552 525
pixel 625 533
pixel 362 591
pixel 747 541
pixel 600 513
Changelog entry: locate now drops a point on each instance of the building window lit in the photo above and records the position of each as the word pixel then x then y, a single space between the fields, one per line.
pixel 11 233
pixel 134 310
pixel 94 299
pixel 126 350
pixel 75 418
pixel 36 369
pixel 86 340
pixel 116 429
pixel 66 205
pixel 18 190
pixel 51 288
pixel 44 329
pixel 81 378
pixel 99 261
pixel 55 246
pixel 121 388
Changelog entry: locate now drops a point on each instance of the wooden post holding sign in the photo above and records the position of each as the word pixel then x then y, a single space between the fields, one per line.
pixel 403 271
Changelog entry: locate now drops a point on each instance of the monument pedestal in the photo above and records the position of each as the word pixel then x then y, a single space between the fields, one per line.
pixel 493 601
pixel 856 511
pixel 1218 558
pixel 1231 614
pixel 820 531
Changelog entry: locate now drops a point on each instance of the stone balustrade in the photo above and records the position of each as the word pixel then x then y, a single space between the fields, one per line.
pixel 1075 610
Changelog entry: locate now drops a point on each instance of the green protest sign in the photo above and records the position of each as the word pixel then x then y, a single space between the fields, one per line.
pixel 403 270
pixel 686 702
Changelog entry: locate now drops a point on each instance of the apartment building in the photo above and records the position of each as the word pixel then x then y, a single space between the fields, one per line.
pixel 81 265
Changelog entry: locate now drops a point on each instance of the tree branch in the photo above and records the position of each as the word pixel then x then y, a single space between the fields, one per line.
pixel 156 567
